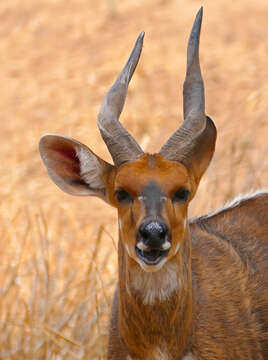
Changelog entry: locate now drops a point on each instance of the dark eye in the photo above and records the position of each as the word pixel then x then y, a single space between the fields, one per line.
pixel 123 196
pixel 181 195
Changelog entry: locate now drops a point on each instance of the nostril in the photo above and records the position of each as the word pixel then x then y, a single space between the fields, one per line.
pixel 144 233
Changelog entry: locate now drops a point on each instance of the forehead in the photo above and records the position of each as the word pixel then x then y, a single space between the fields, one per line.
pixel 135 176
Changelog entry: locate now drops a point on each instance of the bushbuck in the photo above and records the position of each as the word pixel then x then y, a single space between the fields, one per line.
pixel 187 288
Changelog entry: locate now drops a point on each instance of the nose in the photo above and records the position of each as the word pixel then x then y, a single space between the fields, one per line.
pixel 153 234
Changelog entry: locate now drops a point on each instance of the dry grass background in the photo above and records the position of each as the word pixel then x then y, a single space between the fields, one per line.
pixel 58 58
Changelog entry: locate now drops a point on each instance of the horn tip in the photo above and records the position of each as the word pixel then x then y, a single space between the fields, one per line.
pixel 199 15
pixel 194 35
pixel 141 36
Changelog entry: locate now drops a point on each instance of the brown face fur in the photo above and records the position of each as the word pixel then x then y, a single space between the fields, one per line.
pixel 133 177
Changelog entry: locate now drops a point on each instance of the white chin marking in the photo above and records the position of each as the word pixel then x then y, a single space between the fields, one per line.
pixel 189 356
pixel 152 268
pixel 155 284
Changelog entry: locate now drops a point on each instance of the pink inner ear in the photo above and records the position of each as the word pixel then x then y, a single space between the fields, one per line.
pixel 61 156
pixel 66 152
pixel 63 148
pixel 63 159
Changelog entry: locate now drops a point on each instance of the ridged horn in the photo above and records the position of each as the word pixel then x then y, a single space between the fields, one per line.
pixel 182 142
pixel 121 145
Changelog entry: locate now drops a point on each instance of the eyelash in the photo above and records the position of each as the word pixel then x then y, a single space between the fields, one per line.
pixel 123 196
pixel 181 195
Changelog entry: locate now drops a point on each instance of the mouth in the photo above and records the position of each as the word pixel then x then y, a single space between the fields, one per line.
pixel 152 256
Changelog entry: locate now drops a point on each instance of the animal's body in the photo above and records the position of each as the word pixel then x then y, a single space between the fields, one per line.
pixel 226 293
pixel 188 289
pixel 232 247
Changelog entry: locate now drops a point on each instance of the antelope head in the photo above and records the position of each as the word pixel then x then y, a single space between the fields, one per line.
pixel 150 191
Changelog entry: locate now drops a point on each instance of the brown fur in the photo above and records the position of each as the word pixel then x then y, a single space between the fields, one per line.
pixel 210 296
pixel 220 310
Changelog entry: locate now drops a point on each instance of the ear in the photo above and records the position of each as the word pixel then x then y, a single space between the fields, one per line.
pixel 74 167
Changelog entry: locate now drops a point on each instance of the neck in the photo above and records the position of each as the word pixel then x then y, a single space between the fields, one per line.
pixel 156 308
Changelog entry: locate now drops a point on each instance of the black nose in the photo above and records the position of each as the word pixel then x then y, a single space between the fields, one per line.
pixel 153 234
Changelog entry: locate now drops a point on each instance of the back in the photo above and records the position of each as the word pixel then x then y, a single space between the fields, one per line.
pixel 230 253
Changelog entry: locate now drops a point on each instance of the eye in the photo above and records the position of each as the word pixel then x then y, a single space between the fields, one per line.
pixel 181 195
pixel 123 196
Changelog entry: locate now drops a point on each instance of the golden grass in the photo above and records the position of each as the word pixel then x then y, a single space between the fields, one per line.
pixel 58 58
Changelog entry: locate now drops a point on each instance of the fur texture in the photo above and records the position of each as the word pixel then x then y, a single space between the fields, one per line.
pixel 219 310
